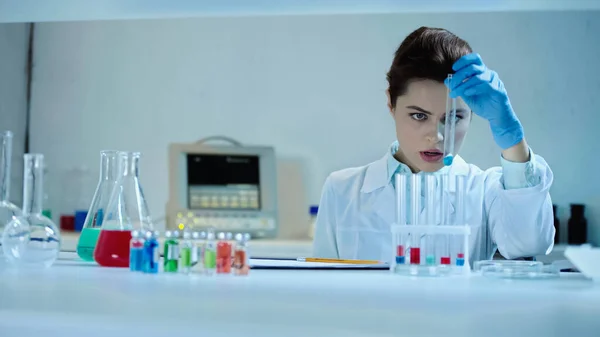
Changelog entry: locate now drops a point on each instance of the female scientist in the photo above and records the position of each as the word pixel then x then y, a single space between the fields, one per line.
pixel 508 207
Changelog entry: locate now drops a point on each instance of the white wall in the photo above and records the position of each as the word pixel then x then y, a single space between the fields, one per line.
pixel 14 40
pixel 312 86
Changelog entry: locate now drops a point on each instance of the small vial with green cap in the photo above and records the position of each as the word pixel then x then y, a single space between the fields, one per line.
pixel 199 242
pixel 185 256
pixel 210 254
pixel 195 253
pixel 171 252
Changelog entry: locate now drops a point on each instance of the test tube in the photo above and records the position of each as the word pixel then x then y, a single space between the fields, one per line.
pixel 430 196
pixel 401 216
pixel 445 219
pixel 415 245
pixel 460 216
pixel 449 127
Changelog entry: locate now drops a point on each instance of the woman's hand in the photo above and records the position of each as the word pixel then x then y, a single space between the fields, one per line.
pixel 484 93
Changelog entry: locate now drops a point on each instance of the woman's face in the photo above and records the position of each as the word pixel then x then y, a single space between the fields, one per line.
pixel 420 115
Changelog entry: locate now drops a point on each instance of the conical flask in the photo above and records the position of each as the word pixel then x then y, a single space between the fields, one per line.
pixel 126 211
pixel 32 240
pixel 7 209
pixel 109 172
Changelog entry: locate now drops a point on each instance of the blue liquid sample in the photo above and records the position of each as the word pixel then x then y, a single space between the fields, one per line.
pixel 448 160
pixel 136 258
pixel 460 262
pixel 400 260
pixel 150 256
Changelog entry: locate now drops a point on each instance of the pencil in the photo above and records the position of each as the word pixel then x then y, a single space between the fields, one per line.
pixel 326 260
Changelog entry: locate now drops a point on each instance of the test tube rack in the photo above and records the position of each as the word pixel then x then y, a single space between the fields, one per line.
pixel 428 238
pixel 422 261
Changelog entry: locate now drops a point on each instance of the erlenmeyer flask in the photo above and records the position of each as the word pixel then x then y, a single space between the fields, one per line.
pixel 32 240
pixel 109 172
pixel 126 211
pixel 7 209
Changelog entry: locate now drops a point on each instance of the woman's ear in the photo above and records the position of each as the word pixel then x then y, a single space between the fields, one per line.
pixel 389 102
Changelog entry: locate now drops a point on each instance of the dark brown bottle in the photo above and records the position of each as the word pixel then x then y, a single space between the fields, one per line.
pixel 577 230
pixel 556 225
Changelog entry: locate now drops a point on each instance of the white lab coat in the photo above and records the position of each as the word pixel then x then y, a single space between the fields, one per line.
pixel 357 208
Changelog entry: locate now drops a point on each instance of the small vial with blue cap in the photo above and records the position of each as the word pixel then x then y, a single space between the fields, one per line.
pixel 136 251
pixel 150 253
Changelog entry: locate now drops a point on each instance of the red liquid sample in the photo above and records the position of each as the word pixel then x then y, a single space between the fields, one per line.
pixel 460 255
pixel 415 255
pixel 224 257
pixel 445 260
pixel 112 249
pixel 400 251
pixel 239 263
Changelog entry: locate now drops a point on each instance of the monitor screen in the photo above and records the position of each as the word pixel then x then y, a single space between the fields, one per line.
pixel 223 182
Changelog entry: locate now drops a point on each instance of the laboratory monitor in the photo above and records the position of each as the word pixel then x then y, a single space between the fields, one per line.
pixel 227 188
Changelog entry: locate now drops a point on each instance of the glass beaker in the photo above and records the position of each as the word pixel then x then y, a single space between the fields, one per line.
pixel 109 172
pixel 7 209
pixel 127 210
pixel 32 240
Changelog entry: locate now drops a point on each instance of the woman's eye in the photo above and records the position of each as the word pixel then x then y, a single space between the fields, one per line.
pixel 458 118
pixel 418 116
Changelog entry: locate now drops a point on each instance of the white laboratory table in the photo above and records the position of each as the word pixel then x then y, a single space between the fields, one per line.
pixel 74 298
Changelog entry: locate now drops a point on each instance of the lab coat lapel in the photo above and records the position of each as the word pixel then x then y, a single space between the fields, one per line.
pixel 381 192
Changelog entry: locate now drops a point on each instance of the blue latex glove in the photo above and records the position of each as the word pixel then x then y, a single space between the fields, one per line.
pixel 484 93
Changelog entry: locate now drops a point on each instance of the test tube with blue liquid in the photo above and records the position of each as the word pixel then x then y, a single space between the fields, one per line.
pixel 449 127
pixel 460 219
pixel 401 215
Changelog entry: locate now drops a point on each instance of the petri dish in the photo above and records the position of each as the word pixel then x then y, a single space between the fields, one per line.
pixel 524 270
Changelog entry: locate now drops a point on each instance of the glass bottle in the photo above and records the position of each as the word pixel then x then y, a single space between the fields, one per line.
pixel 185 256
pixel 556 225
pixel 126 210
pixel 577 231
pixel 32 240
pixel 210 253
pixel 109 172
pixel 171 252
pixel 241 260
pixel 7 209
pixel 199 240
pixel 151 256
pixel 136 251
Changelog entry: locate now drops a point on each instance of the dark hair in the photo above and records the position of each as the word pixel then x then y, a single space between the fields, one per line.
pixel 426 53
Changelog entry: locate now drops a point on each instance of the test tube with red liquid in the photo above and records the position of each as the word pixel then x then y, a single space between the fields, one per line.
pixel 430 208
pixel 460 217
pixel 401 215
pixel 445 259
pixel 415 239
